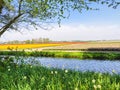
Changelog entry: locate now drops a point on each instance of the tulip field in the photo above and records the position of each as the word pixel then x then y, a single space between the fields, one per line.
pixel 26 46
pixel 33 46
pixel 79 46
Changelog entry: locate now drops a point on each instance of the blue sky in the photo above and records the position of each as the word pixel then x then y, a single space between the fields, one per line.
pixel 103 24
pixel 105 14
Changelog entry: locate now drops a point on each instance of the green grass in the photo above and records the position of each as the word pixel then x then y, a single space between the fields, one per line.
pixel 79 55
pixel 40 78
pixel 36 77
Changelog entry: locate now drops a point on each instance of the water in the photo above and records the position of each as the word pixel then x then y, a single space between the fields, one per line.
pixel 102 66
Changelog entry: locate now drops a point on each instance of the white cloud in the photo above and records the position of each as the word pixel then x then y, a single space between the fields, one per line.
pixel 69 32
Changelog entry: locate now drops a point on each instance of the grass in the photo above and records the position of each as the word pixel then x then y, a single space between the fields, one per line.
pixel 79 55
pixel 28 77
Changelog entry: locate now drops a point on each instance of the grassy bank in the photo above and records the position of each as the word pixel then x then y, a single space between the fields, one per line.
pixel 36 77
pixel 27 77
pixel 79 55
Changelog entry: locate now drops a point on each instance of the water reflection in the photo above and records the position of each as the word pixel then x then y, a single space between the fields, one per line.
pixel 81 65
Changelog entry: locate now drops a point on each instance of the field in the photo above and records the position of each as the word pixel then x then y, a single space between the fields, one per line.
pixel 76 46
pixel 26 46
pixel 35 46
pixel 89 46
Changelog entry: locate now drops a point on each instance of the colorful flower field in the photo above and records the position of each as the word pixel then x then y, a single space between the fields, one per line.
pixel 79 46
pixel 32 46
pixel 25 46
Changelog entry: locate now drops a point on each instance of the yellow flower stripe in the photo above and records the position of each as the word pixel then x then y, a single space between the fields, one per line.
pixel 25 46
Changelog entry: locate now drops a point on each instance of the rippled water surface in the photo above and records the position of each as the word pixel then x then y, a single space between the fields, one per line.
pixel 81 65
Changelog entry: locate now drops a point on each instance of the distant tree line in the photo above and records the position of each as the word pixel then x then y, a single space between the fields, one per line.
pixel 32 41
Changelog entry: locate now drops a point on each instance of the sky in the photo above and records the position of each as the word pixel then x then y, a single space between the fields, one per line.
pixel 102 24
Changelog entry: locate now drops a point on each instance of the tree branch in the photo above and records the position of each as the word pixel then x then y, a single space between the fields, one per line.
pixel 1 5
pixel 20 3
pixel 4 28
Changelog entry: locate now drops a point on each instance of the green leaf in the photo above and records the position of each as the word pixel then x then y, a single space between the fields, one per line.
pixel 36 10
pixel 46 6
pixel 61 11
pixel 28 1
pixel 46 1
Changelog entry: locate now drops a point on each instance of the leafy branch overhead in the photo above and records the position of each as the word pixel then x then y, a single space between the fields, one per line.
pixel 26 13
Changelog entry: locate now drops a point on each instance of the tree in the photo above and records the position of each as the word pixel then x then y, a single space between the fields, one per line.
pixel 1 5
pixel 15 14
pixel 27 42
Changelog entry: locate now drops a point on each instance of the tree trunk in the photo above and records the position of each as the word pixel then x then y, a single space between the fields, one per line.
pixel 7 26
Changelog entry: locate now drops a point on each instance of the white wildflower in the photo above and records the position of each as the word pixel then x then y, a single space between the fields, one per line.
pixel 9 69
pixel 93 81
pixel 56 72
pixel 31 66
pixel 3 89
pixel 99 86
pixel 51 72
pixel 94 86
pixel 113 71
pixel 24 77
pixel 76 88
pixel 66 71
